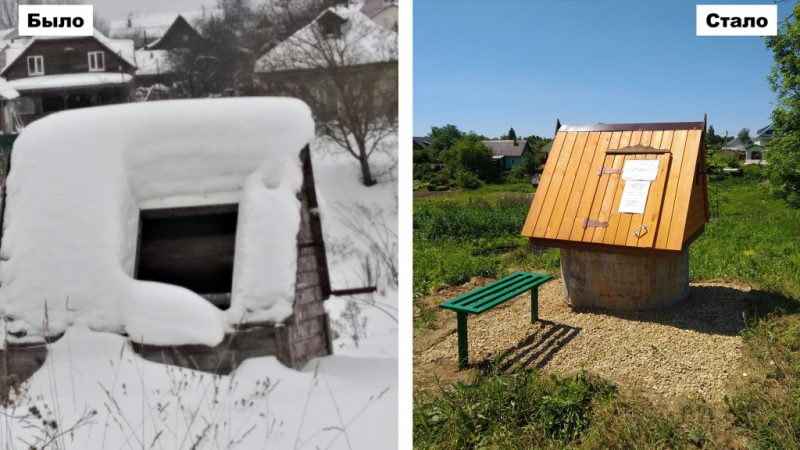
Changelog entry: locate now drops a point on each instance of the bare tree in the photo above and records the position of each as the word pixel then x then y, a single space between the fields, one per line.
pixel 345 67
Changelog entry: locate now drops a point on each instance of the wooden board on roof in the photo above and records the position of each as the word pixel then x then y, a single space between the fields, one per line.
pixel 577 203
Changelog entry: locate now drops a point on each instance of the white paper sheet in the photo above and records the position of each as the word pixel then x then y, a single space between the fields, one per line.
pixel 634 196
pixel 640 169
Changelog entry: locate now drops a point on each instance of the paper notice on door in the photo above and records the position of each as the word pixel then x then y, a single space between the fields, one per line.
pixel 634 196
pixel 640 169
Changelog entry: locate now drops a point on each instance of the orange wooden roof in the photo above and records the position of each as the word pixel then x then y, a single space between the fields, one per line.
pixel 577 202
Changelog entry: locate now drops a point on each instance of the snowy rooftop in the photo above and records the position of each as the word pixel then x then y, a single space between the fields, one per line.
pixel 79 179
pixel 7 92
pixel 70 80
pixel 155 25
pixel 362 41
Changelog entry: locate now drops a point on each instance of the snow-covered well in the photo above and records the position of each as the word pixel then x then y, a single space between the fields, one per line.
pixel 77 184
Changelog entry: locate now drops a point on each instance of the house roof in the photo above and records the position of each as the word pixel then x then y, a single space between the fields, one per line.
pixel 735 145
pixel 767 131
pixel 422 141
pixel 371 8
pixel 362 41
pixel 546 147
pixel 13 45
pixel 506 147
pixel 578 201
pixel 70 80
pixel 155 25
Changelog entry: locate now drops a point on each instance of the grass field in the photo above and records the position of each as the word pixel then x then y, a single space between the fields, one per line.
pixel 752 237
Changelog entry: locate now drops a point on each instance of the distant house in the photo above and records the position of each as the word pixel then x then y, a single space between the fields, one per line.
pixel 422 142
pixel 160 30
pixel 341 49
pixel 383 12
pixel 57 73
pixel 507 152
pixel 156 36
pixel 544 152
pixel 747 152
pixel 764 135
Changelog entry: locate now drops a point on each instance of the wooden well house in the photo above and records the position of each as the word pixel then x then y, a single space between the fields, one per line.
pixel 622 202
pixel 168 236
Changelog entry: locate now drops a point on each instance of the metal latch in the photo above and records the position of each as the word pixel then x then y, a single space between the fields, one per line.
pixel 640 231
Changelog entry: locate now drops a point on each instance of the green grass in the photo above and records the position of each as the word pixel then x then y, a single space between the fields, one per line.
pixel 523 409
pixel 752 237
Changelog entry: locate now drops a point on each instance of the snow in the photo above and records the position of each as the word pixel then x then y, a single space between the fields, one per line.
pixel 74 192
pixel 362 42
pixel 7 92
pixel 347 400
pixel 156 24
pixel 70 80
pixel 152 62
pixel 335 402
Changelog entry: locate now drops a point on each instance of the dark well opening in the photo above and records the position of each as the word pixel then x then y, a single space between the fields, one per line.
pixel 191 247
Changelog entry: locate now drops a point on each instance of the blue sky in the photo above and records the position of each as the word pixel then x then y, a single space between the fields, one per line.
pixel 487 65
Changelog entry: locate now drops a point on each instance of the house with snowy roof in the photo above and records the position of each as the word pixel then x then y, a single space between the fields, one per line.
pixel 156 36
pixel 383 12
pixel 341 49
pixel 53 73
pixel 189 226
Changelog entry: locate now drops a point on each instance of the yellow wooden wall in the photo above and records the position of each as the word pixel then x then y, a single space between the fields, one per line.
pixel 570 190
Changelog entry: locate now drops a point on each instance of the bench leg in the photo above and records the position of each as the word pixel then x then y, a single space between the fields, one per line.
pixel 534 305
pixel 463 352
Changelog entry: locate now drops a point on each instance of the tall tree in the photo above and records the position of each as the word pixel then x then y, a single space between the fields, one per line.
pixel 512 134
pixel 744 135
pixel 784 155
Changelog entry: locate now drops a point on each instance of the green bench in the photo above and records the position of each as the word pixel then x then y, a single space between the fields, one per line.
pixel 489 296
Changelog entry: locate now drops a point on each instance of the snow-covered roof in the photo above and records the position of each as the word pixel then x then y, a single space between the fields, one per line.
pixel 13 45
pixel 79 179
pixel 362 41
pixel 153 26
pixel 70 80
pixel 7 92
pixel 152 62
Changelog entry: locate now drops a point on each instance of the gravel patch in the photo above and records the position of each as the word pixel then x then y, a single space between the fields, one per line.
pixel 689 348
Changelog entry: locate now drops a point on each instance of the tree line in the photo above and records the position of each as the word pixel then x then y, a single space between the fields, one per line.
pixel 458 159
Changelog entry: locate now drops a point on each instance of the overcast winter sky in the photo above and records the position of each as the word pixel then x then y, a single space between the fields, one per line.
pixel 118 9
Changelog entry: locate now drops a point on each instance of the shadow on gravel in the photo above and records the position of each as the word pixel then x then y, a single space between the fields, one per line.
pixel 534 351
pixel 709 309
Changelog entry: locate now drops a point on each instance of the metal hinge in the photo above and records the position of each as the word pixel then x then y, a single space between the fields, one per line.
pixel 587 222
pixel 605 170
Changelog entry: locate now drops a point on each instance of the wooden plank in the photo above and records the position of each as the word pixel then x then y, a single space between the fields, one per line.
pixel 583 174
pixel 567 184
pixel 614 217
pixel 625 219
pixel 636 220
pixel 665 220
pixel 611 188
pixel 681 208
pixel 544 183
pixel 588 193
pixel 655 199
pixel 555 185
pixel 600 190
